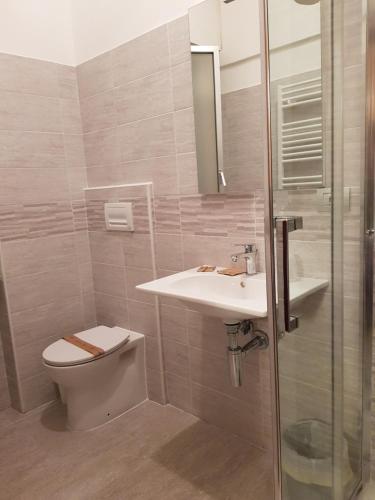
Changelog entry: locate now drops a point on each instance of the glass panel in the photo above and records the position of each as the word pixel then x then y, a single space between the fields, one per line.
pixel 317 119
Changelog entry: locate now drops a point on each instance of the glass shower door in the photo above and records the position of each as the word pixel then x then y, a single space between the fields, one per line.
pixel 317 88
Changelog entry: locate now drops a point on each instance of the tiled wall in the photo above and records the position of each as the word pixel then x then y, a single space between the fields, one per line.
pixel 44 245
pixel 137 115
pixel 243 139
pixel 131 121
pixel 136 104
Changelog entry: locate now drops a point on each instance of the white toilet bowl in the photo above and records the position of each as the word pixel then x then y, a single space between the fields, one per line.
pixel 98 389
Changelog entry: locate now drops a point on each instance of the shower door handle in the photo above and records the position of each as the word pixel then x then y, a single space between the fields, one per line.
pixel 284 225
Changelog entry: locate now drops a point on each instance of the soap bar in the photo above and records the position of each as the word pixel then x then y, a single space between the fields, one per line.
pixel 206 269
pixel 231 271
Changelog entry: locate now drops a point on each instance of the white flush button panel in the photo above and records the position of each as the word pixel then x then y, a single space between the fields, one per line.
pixel 119 216
pixel 325 199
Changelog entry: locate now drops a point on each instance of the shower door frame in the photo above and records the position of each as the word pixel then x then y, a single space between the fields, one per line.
pixel 367 247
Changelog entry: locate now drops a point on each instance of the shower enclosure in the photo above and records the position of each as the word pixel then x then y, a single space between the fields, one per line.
pixel 318 67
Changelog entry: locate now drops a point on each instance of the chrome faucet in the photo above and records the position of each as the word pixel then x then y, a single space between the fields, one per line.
pixel 249 254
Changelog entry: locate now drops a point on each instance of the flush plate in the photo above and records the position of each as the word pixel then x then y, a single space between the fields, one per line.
pixel 325 199
pixel 119 216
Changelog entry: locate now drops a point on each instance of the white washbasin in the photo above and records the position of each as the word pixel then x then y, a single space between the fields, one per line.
pixel 227 297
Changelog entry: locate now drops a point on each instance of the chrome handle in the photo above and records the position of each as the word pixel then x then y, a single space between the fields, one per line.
pixel 284 225
pixel 222 179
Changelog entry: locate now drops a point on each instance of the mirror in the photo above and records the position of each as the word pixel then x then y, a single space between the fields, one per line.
pixel 227 92
pixel 228 97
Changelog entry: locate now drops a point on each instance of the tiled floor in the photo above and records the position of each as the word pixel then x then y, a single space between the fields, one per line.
pixel 152 452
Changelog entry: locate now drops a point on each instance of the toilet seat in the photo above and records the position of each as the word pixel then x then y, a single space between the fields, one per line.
pixel 63 353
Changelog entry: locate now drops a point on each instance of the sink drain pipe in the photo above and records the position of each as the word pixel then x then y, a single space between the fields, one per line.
pixel 237 352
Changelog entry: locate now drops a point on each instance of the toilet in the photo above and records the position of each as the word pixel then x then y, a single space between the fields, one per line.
pixel 97 389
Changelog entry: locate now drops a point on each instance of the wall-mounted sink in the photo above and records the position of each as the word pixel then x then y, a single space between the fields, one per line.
pixel 230 298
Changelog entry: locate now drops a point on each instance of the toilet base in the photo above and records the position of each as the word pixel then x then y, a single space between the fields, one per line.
pixel 109 421
pixel 99 391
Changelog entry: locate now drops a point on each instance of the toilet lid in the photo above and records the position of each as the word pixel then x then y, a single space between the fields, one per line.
pixel 63 353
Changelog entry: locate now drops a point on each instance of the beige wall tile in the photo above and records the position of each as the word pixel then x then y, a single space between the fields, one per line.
pixel 213 250
pixel 306 360
pixel 31 149
pixel 179 40
pixel 218 215
pixel 109 280
pixel 187 173
pixel 160 171
pixel 37 255
pixel 142 317
pixel 29 357
pixel 154 386
pixel 185 132
pixel 135 276
pixel 182 86
pixel 50 320
pixel 179 392
pixel 98 112
pixel 77 180
pixel 206 333
pixel 35 220
pixel 107 248
pixel 33 290
pixel 29 76
pixel 167 214
pixel 173 323
pixel 302 401
pixel 111 311
pixel 141 57
pixel 28 112
pixel 353 96
pixel 147 138
pixel 15 395
pixel 137 251
pixel 67 81
pixel 79 212
pixel 74 151
pixel 95 75
pixel 89 310
pixel 33 185
pixel 211 370
pixel 145 98
pixel 228 413
pixel 353 39
pixel 82 244
pixel 71 116
pixel 176 358
pixel 37 390
pixel 86 278
pixel 243 139
pixel 152 354
pixel 102 149
pixel 169 251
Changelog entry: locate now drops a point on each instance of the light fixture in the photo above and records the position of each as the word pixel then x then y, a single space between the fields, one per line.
pixel 306 2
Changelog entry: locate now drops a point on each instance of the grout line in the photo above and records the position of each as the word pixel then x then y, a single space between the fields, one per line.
pixel 120 125
pixel 114 87
pixel 149 191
